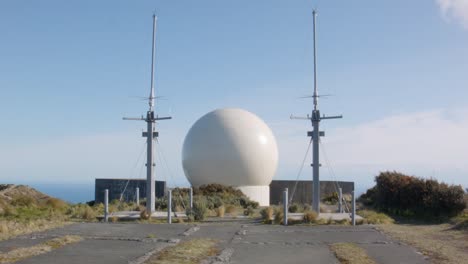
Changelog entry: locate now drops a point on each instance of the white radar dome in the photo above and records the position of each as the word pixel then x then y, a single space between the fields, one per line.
pixel 232 147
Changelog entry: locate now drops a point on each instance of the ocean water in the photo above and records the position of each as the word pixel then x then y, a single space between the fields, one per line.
pixel 70 192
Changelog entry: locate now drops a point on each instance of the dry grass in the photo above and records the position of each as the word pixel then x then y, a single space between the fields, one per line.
pixel 27 252
pixel 188 252
pixel 9 229
pixel 373 217
pixel 350 253
pixel 440 242
pixel 310 217
pixel 220 211
pixel 231 209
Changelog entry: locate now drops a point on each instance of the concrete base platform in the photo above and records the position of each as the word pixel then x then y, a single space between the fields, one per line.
pixel 135 215
pixel 326 216
pixel 124 243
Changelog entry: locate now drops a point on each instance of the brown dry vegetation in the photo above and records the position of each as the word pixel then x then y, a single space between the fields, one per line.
pixel 350 253
pixel 188 252
pixel 27 252
pixel 9 229
pixel 441 243
pixel 25 210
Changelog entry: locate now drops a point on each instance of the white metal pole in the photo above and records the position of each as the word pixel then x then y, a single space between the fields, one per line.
pixel 353 215
pixel 106 205
pixel 285 204
pixel 137 194
pixel 340 199
pixel 315 136
pixel 314 13
pixel 150 186
pixel 191 198
pixel 169 206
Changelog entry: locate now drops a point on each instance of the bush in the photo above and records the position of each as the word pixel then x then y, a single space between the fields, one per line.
pixel 267 214
pixel 404 195
pixel 199 210
pixel 88 213
pixel 231 209
pixel 160 204
pixel 210 189
pixel 306 207
pixel 279 216
pixel 331 198
pixel 189 214
pixel 23 200
pixel 294 208
pixel 57 204
pixel 248 211
pixel 310 217
pixel 220 211
pixel 144 215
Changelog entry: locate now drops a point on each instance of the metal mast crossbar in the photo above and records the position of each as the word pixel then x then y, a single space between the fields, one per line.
pixel 150 133
pixel 315 118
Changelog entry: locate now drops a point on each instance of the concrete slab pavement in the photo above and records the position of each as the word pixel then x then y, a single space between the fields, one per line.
pixel 115 243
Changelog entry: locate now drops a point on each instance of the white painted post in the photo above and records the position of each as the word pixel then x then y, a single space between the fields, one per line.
pixel 106 205
pixel 137 191
pixel 169 206
pixel 191 198
pixel 353 215
pixel 285 204
pixel 340 203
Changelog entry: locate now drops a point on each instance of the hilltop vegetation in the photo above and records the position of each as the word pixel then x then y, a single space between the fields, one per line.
pixel 24 209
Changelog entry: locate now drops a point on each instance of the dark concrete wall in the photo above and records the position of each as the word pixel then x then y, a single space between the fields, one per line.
pixel 303 193
pixel 116 187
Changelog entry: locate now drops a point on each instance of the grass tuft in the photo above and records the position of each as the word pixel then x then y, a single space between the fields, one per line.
pixel 373 217
pixel 188 252
pixel 310 217
pixel 220 211
pixel 39 249
pixel 350 253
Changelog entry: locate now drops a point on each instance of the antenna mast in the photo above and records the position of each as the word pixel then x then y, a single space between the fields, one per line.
pixel 153 47
pixel 151 133
pixel 315 96
pixel 316 133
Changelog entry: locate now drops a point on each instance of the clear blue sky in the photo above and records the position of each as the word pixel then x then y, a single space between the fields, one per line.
pixel 69 70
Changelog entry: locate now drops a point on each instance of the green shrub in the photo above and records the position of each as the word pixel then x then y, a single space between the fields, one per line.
pixel 8 211
pixel 210 189
pixel 404 195
pixel 246 202
pixel 294 208
pixel 23 200
pixel 331 198
pixel 199 210
pixel 160 204
pixel 248 211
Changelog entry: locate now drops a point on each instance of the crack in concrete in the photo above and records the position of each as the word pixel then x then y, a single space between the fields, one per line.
pixel 190 231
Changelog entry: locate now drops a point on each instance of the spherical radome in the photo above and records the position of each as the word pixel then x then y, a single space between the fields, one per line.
pixel 232 147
